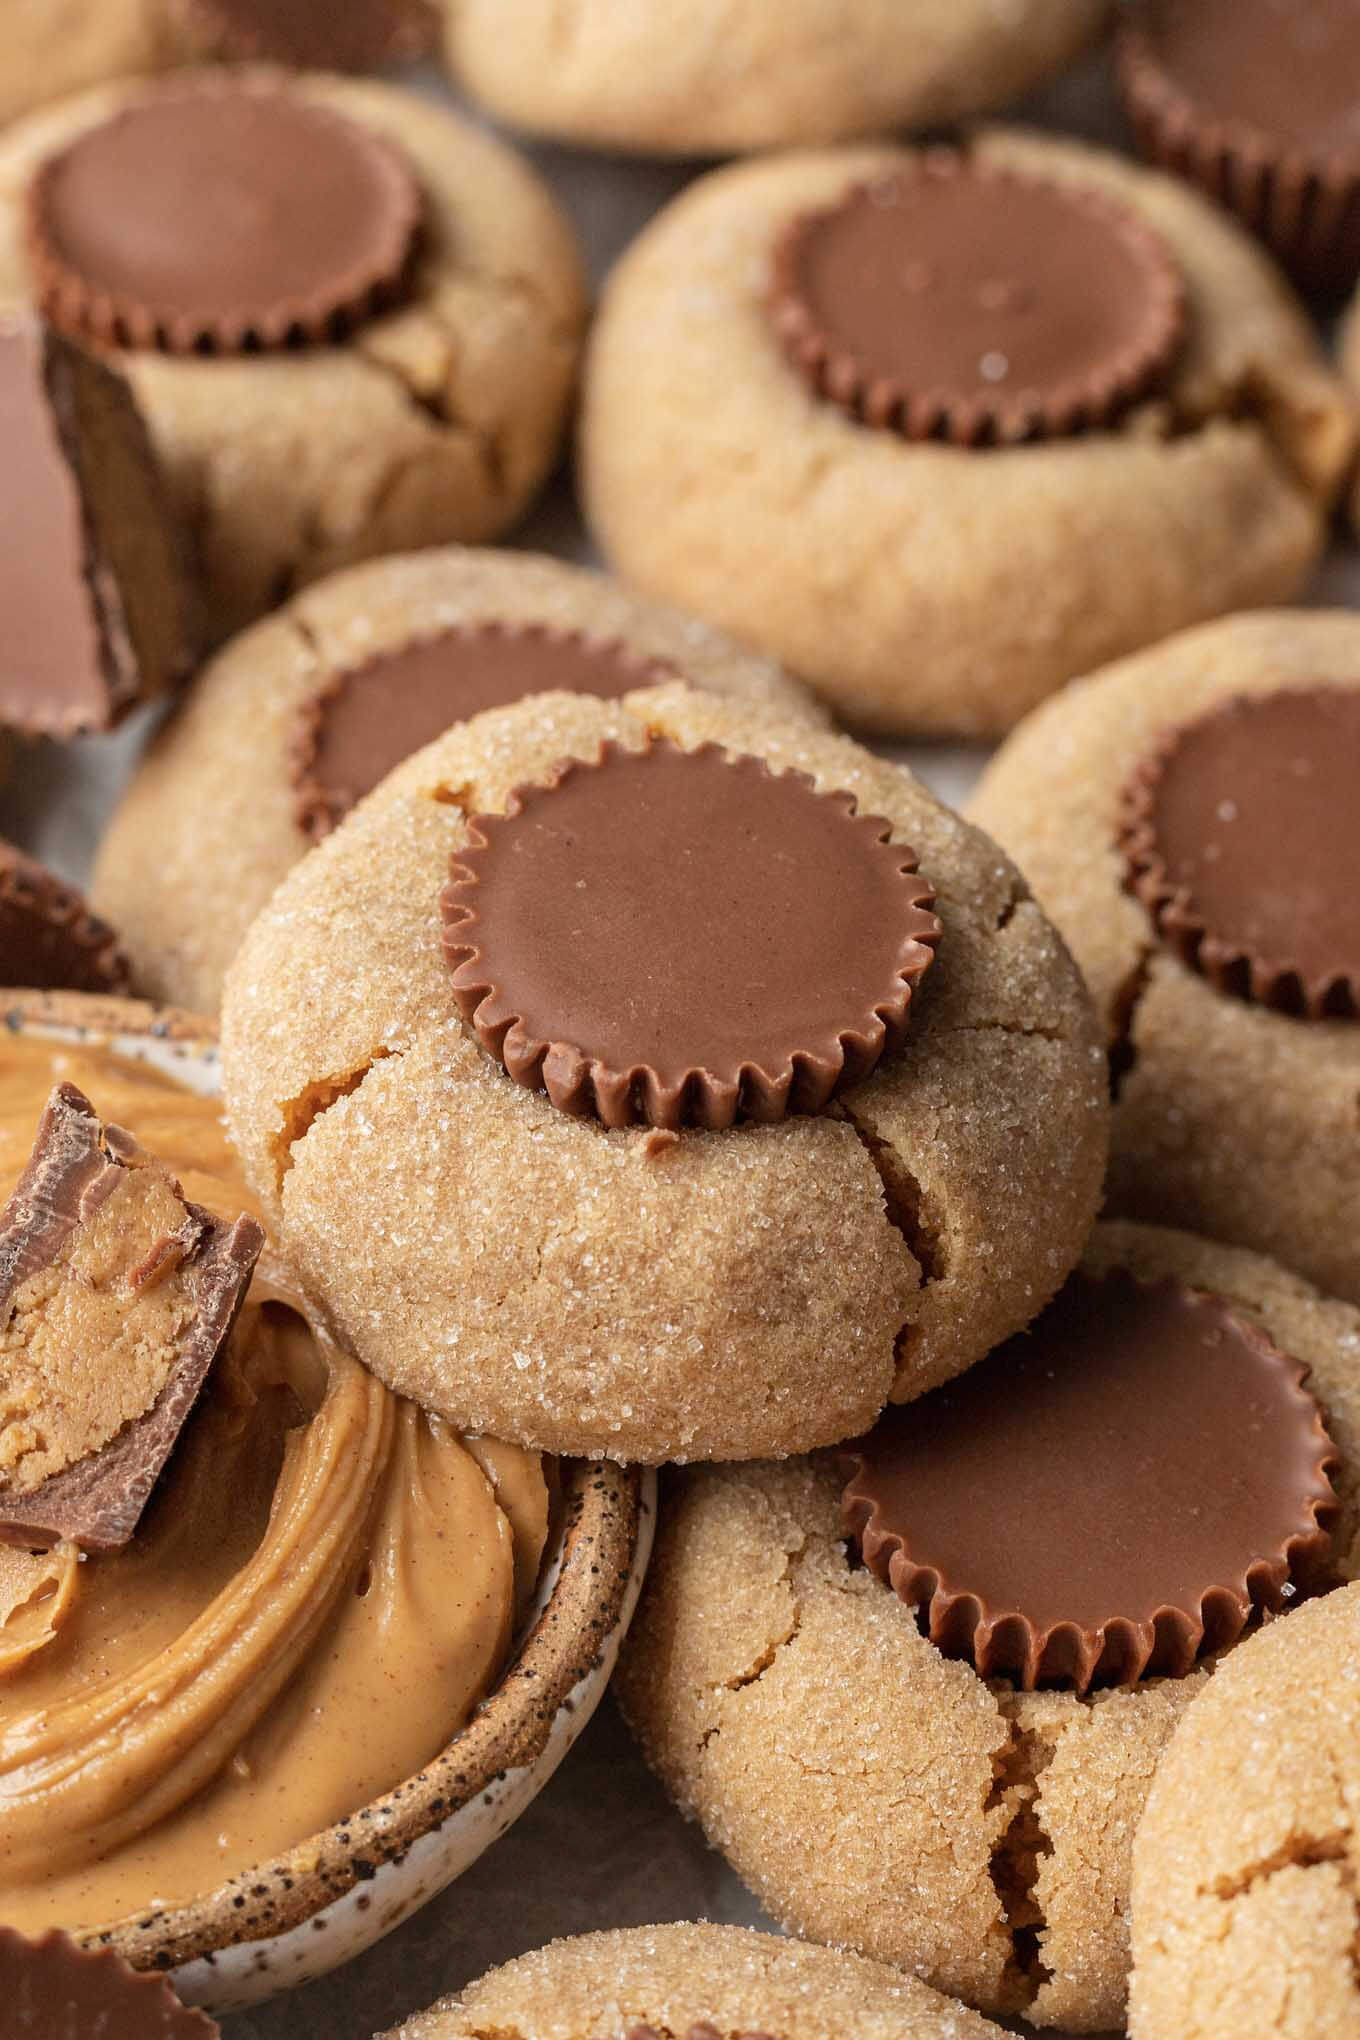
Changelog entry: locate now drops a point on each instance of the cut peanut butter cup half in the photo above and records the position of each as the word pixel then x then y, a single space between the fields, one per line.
pixel 361 724
pixel 116 1296
pixel 54 1990
pixel 960 301
pixel 685 938
pixel 1107 1496
pixel 1241 837
pixel 1258 103
pixel 223 215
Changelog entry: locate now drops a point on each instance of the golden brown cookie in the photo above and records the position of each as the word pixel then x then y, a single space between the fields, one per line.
pixel 51 51
pixel 305 712
pixel 1281 1173
pixel 726 75
pixel 933 588
pixel 694 1983
pixel 872 1790
pixel 641 1293
pixel 1245 1863
pixel 433 418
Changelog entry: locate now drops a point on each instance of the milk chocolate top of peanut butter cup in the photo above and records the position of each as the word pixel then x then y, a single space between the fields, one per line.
pixel 1107 1495
pixel 55 1990
pixel 672 937
pixel 218 215
pixel 1242 836
pixel 360 725
pixel 1289 69
pixel 957 300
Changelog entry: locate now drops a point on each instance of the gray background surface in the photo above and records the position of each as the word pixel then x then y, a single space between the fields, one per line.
pixel 600 1847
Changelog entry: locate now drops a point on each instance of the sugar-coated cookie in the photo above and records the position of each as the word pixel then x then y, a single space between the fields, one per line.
pixel 698 1982
pixel 51 51
pixel 388 368
pixel 1235 1087
pixel 727 75
pixel 296 719
pixel 1245 1864
pixel 478 1203
pixel 912 495
pixel 875 1789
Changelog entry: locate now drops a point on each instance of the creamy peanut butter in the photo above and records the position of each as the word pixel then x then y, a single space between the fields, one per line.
pixel 317 1597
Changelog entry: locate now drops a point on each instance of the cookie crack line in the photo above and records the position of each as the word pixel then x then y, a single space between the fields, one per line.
pixel 298 1115
pixel 1122 1020
pixel 442 412
pixel 1300 1852
pixel 1017 1854
pixel 905 1204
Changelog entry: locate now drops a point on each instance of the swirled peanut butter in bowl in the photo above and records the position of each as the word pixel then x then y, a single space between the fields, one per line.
pixel 322 1586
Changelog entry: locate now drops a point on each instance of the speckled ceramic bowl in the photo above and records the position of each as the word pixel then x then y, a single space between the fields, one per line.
pixel 285 1922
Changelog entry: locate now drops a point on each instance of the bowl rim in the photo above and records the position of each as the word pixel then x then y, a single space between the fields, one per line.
pixel 587 1569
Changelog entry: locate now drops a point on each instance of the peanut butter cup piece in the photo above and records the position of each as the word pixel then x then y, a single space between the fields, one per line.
pixel 364 722
pixel 49 939
pixel 1258 102
pixel 1242 839
pixel 1107 1495
pixel 360 35
pixel 116 1295
pixel 93 603
pixel 55 1990
pixel 957 300
pixel 677 938
pixel 219 216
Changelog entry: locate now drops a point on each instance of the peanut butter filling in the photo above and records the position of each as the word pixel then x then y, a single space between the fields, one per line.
pixel 317 1597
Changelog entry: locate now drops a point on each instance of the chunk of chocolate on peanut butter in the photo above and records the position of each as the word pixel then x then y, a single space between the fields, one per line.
pixel 95 610
pixel 116 1295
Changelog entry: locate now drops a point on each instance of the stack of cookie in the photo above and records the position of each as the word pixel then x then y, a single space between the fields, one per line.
pixel 628 1062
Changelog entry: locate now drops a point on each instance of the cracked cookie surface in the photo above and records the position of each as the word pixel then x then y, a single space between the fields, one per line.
pixel 1245 1910
pixel 871 1791
pixel 696 1982
pixel 682 80
pixel 625 1293
pixel 929 589
pixel 1284 1176
pixel 434 421
pixel 214 801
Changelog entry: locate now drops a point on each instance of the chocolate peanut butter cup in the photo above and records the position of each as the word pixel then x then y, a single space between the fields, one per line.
pixel 92 591
pixel 116 1296
pixel 1258 103
pixel 218 216
pixel 360 35
pixel 1241 836
pixel 675 938
pixel 360 725
pixel 1105 1497
pixel 49 939
pixel 956 300
pixel 54 1990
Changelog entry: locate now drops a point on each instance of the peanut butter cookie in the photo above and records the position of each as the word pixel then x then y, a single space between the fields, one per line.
pixel 864 408
pixel 726 75
pixel 498 1134
pixel 297 719
pixel 386 365
pixel 694 1983
pixel 1235 1062
pixel 1245 1864
pixel 1350 366
pixel 871 1784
